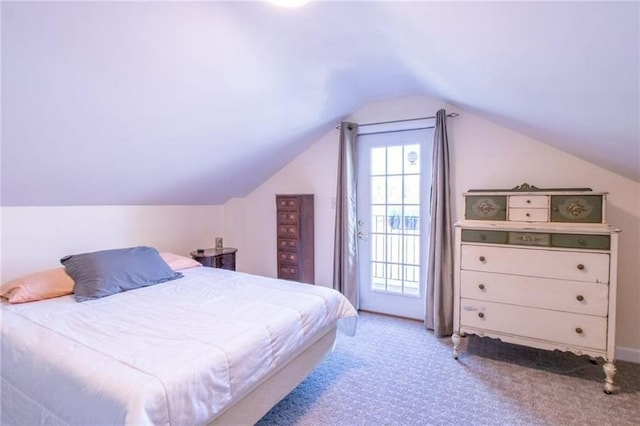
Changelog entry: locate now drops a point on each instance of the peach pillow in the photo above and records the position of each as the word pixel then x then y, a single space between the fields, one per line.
pixel 177 262
pixel 37 286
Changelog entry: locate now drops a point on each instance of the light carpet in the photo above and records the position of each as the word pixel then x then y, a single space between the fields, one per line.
pixel 393 372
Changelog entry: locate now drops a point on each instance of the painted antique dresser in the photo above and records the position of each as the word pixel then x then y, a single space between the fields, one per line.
pixel 537 267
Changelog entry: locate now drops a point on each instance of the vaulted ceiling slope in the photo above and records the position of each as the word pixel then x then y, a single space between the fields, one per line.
pixel 194 103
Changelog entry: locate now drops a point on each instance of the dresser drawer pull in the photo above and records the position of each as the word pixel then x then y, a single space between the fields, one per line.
pixel 528 215
pixel 579 330
pixel 481 315
pixel 528 202
pixel 481 258
pixel 580 266
pixel 579 298
pixel 582 242
pixel 481 286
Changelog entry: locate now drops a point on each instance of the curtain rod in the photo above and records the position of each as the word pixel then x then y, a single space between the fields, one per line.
pixel 452 115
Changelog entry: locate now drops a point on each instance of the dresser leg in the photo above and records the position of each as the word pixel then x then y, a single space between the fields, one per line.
pixel 456 344
pixel 609 371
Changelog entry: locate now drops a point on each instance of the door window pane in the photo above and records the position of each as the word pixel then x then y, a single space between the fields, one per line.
pixel 394 190
pixel 378 190
pixel 378 161
pixel 412 189
pixel 412 159
pixel 394 160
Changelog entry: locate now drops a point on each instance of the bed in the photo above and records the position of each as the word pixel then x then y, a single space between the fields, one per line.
pixel 213 347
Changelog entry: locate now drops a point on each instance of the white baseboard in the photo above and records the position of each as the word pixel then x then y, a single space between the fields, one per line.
pixel 627 354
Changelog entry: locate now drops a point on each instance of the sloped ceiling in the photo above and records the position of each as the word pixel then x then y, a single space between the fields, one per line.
pixel 195 103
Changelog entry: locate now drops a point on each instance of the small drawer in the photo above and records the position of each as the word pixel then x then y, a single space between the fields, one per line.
pixel 288 256
pixel 288 271
pixel 288 231
pixel 288 217
pixel 478 236
pixel 592 242
pixel 289 204
pixel 287 244
pixel 529 201
pixel 479 207
pixel 528 215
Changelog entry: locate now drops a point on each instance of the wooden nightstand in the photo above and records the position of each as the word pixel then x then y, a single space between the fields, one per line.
pixel 224 258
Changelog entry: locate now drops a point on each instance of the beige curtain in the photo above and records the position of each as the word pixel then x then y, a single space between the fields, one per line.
pixel 439 312
pixel 345 255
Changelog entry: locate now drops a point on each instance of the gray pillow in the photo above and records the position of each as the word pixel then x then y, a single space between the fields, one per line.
pixel 107 272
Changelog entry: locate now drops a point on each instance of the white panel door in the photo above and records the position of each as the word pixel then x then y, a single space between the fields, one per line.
pixel 394 172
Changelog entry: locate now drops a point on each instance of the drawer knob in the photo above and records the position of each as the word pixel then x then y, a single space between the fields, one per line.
pixel 579 330
pixel 582 242
pixel 579 298
pixel 481 286
pixel 482 258
pixel 528 215
pixel 580 266
pixel 528 201
pixel 481 314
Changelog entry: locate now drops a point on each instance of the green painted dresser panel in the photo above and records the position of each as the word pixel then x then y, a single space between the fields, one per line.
pixel 530 238
pixel 592 242
pixel 576 208
pixel 480 236
pixel 486 207
pixel 541 239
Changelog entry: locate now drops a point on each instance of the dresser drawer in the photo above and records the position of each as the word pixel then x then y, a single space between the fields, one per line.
pixel 529 201
pixel 562 327
pixel 528 215
pixel 287 203
pixel 593 242
pixel 290 231
pixel 561 295
pixel 486 207
pixel 480 236
pixel 577 208
pixel 563 265
pixel 287 256
pixel 289 244
pixel 289 272
pixel 288 218
pixel 542 239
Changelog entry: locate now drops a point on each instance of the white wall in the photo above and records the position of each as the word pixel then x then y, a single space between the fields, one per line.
pixel 483 155
pixel 35 238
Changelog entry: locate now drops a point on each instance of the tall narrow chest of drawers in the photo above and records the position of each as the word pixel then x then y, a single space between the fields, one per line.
pixel 538 268
pixel 295 229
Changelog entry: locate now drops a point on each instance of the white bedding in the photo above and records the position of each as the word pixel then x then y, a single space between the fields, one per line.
pixel 175 353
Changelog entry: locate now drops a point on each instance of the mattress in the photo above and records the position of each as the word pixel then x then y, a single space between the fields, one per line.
pixel 174 353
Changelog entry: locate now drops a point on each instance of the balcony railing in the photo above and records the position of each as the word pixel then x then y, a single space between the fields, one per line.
pixel 395 253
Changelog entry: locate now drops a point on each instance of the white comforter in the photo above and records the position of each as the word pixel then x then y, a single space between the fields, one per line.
pixel 175 353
